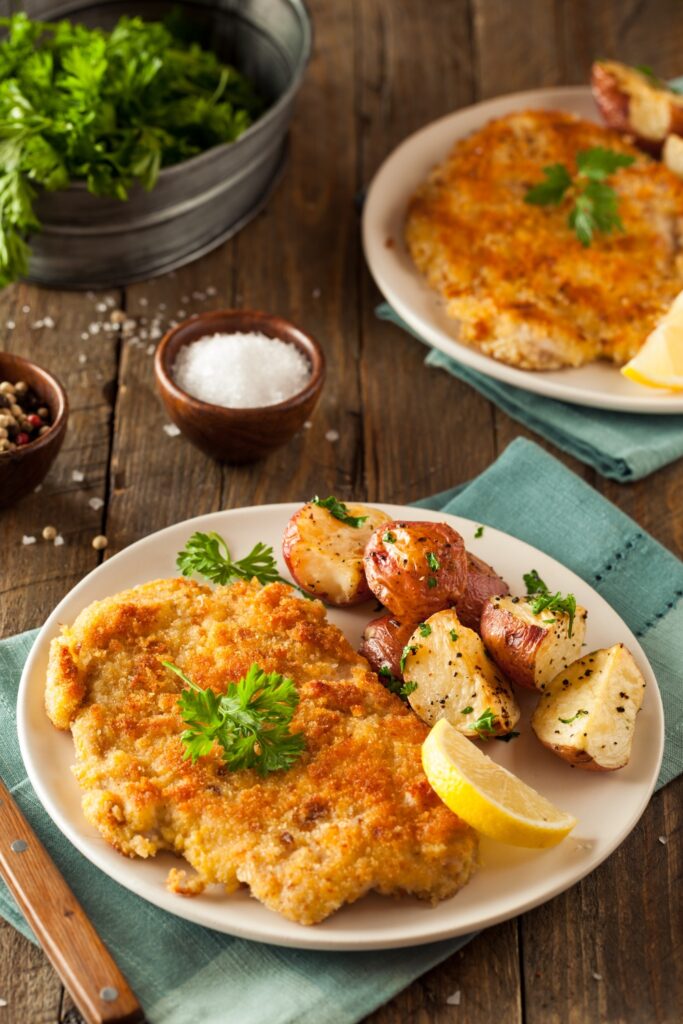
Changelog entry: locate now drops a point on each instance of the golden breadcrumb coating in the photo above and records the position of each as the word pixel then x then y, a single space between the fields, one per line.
pixel 355 813
pixel 515 277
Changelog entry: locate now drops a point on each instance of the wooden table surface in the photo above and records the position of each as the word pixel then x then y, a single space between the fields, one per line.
pixel 387 428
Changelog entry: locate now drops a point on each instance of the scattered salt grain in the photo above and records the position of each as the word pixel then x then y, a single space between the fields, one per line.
pixel 25 309
pixel 58 541
pixel 598 977
pixel 3 1002
pixel 48 322
pixel 241 371
pixel 78 476
pixel 85 336
pixel 110 302
pixel 101 307
pixel 90 295
pixel 211 291
pixel 28 539
pixel 82 358
pixel 184 298
pixel 151 349
pixel 663 840
pixel 95 503
pixel 316 293
pixel 181 313
pixel 94 328
pixel 454 998
pixel 144 301
pixel 199 296
pixel 332 436
pixel 37 324
pixel 162 306
pixel 38 489
pixel 171 429
pixel 10 325
pixel 308 424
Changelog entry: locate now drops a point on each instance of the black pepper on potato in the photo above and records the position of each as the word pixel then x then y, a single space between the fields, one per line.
pixel 416 568
pixel 530 648
pixel 325 554
pixel 383 642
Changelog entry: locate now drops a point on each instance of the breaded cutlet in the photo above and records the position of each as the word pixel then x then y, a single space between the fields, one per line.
pixel 355 813
pixel 514 277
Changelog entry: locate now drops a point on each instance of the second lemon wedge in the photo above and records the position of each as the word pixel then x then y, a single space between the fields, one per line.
pixel 659 364
pixel 487 796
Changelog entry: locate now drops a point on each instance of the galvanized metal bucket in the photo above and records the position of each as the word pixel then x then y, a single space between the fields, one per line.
pixel 93 242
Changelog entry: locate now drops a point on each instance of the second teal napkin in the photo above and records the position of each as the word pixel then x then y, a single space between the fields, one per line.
pixel 619 445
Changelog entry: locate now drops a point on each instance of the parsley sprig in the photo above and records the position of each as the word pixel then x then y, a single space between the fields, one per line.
pixel 208 555
pixel 541 600
pixel 595 203
pixel 250 721
pixel 107 108
pixel 401 689
pixel 339 510
pixel 485 724
pixel 579 714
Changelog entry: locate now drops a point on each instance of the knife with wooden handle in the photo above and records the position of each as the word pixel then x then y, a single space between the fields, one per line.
pixel 69 940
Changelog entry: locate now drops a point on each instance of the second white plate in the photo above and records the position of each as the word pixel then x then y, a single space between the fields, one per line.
pixel 509 881
pixel 598 384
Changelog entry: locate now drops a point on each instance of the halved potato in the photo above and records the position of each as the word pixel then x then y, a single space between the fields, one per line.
pixel 416 568
pixel 325 555
pixel 672 154
pixel 482 582
pixel 637 103
pixel 530 648
pixel 587 713
pixel 383 642
pixel 455 679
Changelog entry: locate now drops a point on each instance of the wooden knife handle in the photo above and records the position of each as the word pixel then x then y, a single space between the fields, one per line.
pixel 74 948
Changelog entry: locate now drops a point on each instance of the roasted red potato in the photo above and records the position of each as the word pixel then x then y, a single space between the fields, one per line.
pixel 452 677
pixel 325 554
pixel 636 103
pixel 587 713
pixel 482 582
pixel 383 642
pixel 530 648
pixel 416 568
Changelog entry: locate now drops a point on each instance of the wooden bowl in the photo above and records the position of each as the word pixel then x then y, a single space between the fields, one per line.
pixel 237 435
pixel 24 468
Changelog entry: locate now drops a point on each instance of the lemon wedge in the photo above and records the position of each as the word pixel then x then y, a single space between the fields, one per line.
pixel 488 797
pixel 659 364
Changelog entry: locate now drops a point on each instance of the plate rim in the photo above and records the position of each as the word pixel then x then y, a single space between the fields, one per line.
pixel 527 380
pixel 308 937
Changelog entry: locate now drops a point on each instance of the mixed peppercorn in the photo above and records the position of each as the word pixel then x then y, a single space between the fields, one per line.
pixel 23 416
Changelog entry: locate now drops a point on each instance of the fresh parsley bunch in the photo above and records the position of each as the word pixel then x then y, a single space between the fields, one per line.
pixel 107 108
pixel 208 555
pixel 595 206
pixel 250 721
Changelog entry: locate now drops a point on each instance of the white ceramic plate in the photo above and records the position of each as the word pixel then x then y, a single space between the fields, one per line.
pixel 509 881
pixel 598 384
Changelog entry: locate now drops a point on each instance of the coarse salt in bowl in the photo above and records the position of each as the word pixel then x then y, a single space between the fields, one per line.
pixel 241 370
pixel 238 383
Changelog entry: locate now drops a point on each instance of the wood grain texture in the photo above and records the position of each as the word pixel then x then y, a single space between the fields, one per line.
pixel 386 428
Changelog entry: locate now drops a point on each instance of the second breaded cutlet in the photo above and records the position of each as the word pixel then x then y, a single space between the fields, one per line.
pixel 355 813
pixel 515 278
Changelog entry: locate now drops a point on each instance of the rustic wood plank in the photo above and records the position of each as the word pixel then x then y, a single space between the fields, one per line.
pixel 635 32
pixel 477 985
pixel 424 431
pixel 35 577
pixel 28 984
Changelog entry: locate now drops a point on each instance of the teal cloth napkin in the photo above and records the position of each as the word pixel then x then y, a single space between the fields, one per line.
pixel 619 445
pixel 184 973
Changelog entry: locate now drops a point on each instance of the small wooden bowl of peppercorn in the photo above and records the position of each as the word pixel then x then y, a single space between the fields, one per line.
pixel 33 414
pixel 247 432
